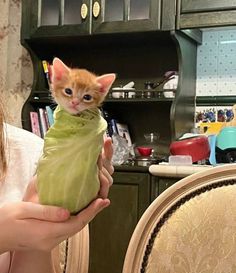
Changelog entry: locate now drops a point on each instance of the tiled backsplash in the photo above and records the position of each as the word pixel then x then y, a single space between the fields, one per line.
pixel 216 63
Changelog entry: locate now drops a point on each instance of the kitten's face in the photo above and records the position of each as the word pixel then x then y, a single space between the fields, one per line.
pixel 77 90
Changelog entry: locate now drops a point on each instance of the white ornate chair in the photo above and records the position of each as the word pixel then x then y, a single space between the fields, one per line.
pixel 189 228
pixel 72 255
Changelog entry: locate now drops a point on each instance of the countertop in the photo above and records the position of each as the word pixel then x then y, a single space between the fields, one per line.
pixel 166 170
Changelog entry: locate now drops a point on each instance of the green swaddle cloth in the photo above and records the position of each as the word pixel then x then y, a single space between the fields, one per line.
pixel 67 173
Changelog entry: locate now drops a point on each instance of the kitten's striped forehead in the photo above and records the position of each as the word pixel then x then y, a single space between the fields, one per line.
pixel 83 79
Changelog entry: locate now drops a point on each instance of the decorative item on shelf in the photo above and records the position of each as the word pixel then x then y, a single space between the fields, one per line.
pixel 210 120
pixel 146 152
pixel 171 82
pixel 151 140
pixel 47 72
pixel 149 87
pixel 169 93
pixel 126 91
pixel 170 86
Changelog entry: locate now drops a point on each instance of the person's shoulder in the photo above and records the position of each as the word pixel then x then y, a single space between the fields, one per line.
pixel 20 135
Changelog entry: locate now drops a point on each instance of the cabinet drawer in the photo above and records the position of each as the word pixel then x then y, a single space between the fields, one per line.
pixel 188 6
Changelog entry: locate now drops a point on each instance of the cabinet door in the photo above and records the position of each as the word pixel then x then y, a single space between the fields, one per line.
pixel 206 5
pixel 125 16
pixel 57 17
pixel 166 182
pixel 111 230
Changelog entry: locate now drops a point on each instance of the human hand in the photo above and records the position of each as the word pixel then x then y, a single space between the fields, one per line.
pixel 31 226
pixel 105 171
pixel 43 227
pixel 106 168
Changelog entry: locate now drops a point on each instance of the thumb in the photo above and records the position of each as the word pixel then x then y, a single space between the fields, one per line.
pixel 87 214
pixel 42 212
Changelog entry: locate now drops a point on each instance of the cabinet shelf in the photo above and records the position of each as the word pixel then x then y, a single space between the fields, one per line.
pixel 135 100
pixel 41 100
pixel 215 100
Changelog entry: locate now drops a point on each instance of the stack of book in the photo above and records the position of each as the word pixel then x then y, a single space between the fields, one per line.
pixel 41 120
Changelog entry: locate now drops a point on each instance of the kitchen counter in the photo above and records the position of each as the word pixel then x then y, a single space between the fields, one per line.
pixel 166 170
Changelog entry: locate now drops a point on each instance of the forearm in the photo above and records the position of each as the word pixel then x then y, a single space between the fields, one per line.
pixel 31 262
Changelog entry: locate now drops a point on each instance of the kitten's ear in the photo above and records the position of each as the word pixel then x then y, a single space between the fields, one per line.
pixel 59 70
pixel 106 81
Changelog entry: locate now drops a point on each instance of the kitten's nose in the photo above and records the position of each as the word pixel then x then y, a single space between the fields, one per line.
pixel 75 102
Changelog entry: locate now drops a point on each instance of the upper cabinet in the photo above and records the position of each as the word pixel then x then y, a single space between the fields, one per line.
pixel 206 13
pixel 83 17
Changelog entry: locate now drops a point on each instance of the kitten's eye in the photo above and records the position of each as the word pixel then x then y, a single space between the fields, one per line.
pixel 68 91
pixel 87 97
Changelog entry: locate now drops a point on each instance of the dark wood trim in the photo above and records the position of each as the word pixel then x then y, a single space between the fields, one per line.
pixel 215 100
pixel 188 6
pixel 182 109
pixel 195 34
pixel 207 19
pixel 168 15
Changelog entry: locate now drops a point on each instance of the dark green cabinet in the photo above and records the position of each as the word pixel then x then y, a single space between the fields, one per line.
pixel 111 230
pixel 165 182
pixel 206 13
pixel 127 16
pixel 84 17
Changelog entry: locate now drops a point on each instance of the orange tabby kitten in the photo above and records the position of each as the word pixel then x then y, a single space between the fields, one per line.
pixel 68 171
pixel 78 89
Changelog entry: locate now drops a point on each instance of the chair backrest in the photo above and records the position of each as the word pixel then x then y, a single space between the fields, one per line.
pixel 190 227
pixel 72 255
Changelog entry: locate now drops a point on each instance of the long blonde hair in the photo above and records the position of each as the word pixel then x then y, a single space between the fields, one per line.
pixel 3 161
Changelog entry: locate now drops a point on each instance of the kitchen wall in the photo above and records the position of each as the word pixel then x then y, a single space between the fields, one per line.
pixel 216 69
pixel 216 63
pixel 15 70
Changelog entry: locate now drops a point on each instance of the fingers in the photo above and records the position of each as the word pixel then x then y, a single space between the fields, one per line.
pixel 105 183
pixel 107 155
pixel 100 163
pixel 41 212
pixel 108 148
pixel 92 210
pixel 78 222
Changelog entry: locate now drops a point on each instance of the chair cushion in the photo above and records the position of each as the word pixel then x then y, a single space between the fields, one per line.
pixel 199 236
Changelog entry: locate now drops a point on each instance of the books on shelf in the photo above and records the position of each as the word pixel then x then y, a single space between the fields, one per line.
pixel 34 120
pixel 41 120
pixel 43 123
pixel 115 127
pixel 49 112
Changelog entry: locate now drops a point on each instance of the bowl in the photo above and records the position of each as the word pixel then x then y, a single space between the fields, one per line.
pixel 117 94
pixel 169 94
pixel 144 151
